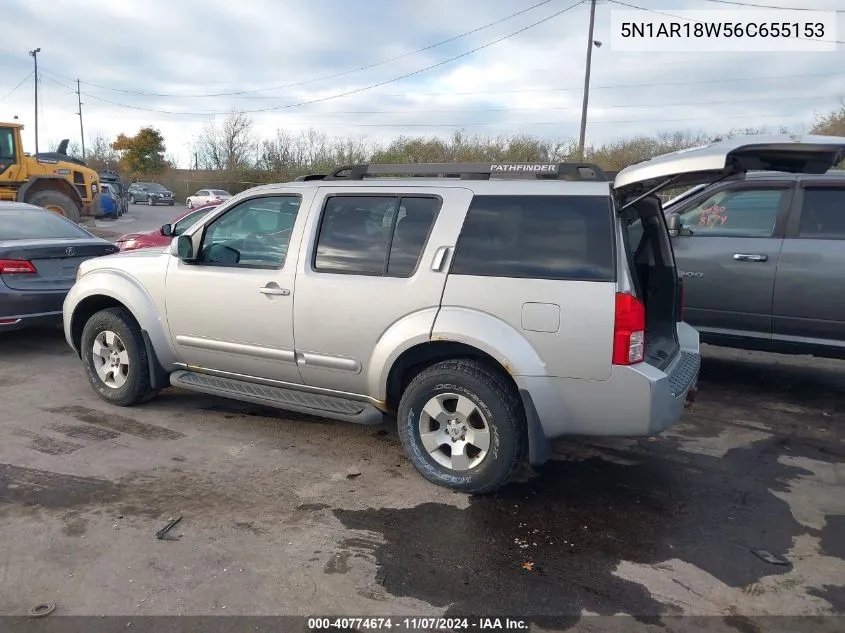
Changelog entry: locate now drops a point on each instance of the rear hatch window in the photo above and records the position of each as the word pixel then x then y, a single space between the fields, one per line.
pixel 36 224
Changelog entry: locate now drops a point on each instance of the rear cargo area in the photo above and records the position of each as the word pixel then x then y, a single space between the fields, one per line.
pixel 655 279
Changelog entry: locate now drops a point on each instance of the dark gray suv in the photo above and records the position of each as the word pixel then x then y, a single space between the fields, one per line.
pixel 150 192
pixel 762 257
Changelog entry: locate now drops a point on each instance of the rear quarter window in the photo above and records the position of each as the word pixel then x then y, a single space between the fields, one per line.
pixel 537 237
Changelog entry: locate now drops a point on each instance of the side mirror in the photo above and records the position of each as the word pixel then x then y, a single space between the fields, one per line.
pixel 183 248
pixel 166 230
pixel 673 223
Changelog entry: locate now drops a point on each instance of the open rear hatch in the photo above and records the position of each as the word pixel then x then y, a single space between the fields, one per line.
pixel 650 255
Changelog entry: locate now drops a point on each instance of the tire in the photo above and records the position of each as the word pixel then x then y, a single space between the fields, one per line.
pixel 150 201
pixel 132 199
pixel 134 386
pixel 57 202
pixel 170 204
pixel 189 203
pixel 494 402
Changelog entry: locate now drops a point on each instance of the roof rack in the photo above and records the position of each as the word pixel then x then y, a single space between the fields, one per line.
pixel 468 171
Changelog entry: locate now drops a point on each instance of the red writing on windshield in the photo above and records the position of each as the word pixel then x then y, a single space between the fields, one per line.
pixel 713 216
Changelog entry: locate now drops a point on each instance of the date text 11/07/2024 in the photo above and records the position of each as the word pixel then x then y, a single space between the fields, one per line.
pixel 417 623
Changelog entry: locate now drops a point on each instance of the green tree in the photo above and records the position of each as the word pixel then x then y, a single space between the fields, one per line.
pixel 142 154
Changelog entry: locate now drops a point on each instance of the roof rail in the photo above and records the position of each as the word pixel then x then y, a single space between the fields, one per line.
pixel 307 177
pixel 472 171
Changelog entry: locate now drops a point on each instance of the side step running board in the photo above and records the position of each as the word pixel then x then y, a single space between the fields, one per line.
pixel 279 397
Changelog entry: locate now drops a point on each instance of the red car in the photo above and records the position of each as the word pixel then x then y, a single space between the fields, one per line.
pixel 152 239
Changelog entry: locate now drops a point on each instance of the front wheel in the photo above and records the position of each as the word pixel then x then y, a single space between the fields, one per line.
pixel 132 200
pixel 57 202
pixel 463 426
pixel 189 203
pixel 115 358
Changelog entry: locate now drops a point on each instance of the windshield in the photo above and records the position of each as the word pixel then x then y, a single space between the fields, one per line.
pixel 155 187
pixel 30 225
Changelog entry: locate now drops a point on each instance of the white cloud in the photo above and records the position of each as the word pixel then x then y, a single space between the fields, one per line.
pixel 530 83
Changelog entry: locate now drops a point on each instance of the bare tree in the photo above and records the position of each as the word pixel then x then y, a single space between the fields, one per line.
pixel 73 147
pixel 228 145
pixel 99 153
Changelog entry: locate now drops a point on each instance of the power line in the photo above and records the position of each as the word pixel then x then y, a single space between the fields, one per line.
pixel 543 123
pixel 679 17
pixel 356 90
pixel 524 71
pixel 325 77
pixel 503 124
pixel 12 91
pixel 601 107
pixel 558 123
pixel 539 90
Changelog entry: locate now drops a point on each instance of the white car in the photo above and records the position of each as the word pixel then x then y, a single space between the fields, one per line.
pixel 204 196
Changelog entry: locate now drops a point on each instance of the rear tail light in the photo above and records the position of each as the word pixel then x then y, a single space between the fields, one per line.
pixel 15 267
pixel 629 330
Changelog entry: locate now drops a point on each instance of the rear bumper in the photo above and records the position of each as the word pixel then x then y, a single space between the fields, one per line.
pixel 635 401
pixel 19 309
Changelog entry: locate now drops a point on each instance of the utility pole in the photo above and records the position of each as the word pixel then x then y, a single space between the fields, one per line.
pixel 590 44
pixel 81 130
pixel 34 55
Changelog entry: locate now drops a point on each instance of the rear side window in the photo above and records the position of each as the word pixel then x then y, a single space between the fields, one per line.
pixel 374 235
pixel 539 237
pixel 823 213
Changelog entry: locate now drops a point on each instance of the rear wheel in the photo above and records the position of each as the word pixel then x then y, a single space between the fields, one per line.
pixel 56 202
pixel 150 201
pixel 115 358
pixel 463 426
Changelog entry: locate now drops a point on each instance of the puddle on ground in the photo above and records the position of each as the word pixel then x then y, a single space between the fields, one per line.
pixel 578 521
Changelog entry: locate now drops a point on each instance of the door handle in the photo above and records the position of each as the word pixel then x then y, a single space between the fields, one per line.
pixel 274 290
pixel 440 258
pixel 751 257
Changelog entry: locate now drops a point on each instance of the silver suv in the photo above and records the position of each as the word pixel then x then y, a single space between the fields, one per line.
pixel 488 308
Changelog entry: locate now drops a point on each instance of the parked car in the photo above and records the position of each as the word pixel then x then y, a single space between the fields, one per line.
pixel 109 203
pixel 204 196
pixel 763 259
pixel 150 192
pixel 162 237
pixel 486 315
pixel 119 188
pixel 39 254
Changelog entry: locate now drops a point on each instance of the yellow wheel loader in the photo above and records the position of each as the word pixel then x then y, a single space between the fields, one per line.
pixel 53 180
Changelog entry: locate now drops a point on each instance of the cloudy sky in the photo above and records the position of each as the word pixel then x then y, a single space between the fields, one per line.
pixel 176 64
